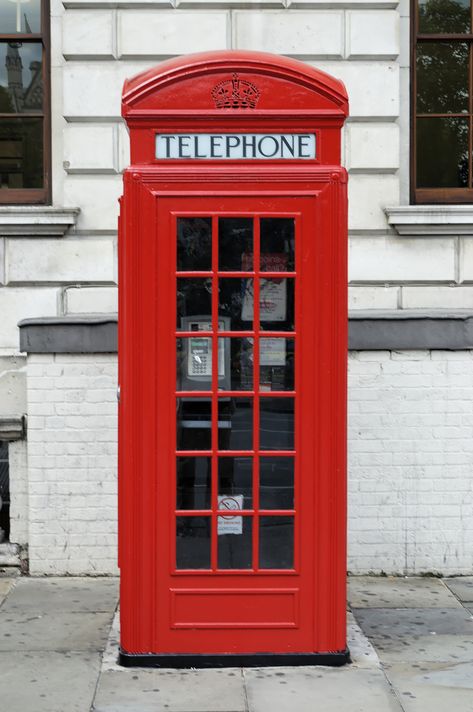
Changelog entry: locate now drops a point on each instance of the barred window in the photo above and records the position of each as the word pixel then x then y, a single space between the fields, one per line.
pixel 24 101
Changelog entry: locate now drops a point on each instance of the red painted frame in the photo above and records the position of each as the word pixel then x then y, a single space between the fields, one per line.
pixel 300 610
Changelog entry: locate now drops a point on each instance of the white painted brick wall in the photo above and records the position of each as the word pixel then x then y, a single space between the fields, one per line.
pixel 72 455
pixel 410 462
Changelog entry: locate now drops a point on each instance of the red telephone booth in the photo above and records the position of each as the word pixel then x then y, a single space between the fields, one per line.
pixel 232 352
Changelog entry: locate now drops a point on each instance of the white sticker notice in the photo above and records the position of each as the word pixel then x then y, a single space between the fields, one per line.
pixel 229 523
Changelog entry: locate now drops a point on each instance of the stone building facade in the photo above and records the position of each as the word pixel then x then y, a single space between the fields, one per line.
pixel 411 285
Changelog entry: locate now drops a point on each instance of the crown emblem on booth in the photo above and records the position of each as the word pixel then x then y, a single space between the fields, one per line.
pixel 235 93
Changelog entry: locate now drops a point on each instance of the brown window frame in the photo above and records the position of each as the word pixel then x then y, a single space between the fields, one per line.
pixel 437 195
pixel 35 196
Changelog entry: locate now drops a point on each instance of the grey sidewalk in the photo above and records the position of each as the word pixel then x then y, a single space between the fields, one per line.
pixel 58 654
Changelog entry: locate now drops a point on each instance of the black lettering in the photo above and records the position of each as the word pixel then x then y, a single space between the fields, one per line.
pixel 214 144
pixel 303 144
pixel 249 141
pixel 231 142
pixel 167 140
pixel 276 146
pixel 183 142
pixel 285 143
pixel 196 148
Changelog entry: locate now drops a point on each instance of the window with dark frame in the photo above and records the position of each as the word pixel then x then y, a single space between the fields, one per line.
pixel 24 102
pixel 4 493
pixel 442 101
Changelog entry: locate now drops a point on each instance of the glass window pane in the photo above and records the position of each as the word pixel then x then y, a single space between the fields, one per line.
pixel 193 542
pixel 235 479
pixel 193 482
pixel 277 423
pixel 442 16
pixel 276 542
pixel 194 304
pixel 194 244
pixel 442 77
pixel 194 364
pixel 235 424
pixel 237 355
pixel 194 423
pixel 23 16
pixel 21 81
pixel 442 153
pixel 276 479
pixel 235 244
pixel 234 542
pixel 277 304
pixel 276 358
pixel 277 244
pixel 235 304
pixel 21 153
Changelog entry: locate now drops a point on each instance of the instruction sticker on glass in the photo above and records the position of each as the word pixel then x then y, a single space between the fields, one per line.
pixel 229 523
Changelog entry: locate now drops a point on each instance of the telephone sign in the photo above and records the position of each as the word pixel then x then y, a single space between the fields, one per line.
pixel 232 365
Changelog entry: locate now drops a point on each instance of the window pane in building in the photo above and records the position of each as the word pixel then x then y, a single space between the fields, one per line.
pixel 442 152
pixel 446 16
pixel 20 16
pixel 442 77
pixel 21 80
pixel 21 153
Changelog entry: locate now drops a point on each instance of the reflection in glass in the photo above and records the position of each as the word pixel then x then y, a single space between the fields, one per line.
pixel 442 153
pixel 22 16
pixel 277 423
pixel 277 304
pixel 276 478
pixel 277 244
pixel 194 364
pixel 235 479
pixel 235 301
pixel 235 244
pixel 193 542
pixel 194 422
pixel 239 352
pixel 442 77
pixel 276 357
pixel 194 304
pixel 21 80
pixel 234 542
pixel 193 482
pixel 194 244
pixel 444 16
pixel 21 153
pixel 235 424
pixel 276 543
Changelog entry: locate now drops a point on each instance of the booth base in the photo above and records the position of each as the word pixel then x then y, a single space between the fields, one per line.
pixel 195 660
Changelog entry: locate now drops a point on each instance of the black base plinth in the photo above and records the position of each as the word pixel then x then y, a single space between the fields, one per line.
pixel 195 660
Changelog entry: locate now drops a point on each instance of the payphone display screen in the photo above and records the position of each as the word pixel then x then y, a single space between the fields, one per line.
pixel 236 346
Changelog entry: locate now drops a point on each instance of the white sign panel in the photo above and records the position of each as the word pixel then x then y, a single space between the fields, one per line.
pixel 235 146
pixel 228 523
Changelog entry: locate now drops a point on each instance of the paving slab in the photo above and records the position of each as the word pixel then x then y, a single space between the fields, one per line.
pixel 397 592
pixel 48 631
pixel 362 652
pixel 426 648
pixel 48 682
pixel 6 585
pixel 306 689
pixel 462 587
pixel 413 622
pixel 142 690
pixel 434 687
pixel 63 595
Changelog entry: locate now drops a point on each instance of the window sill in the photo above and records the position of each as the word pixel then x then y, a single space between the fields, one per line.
pixel 431 220
pixel 36 221
pixel 12 428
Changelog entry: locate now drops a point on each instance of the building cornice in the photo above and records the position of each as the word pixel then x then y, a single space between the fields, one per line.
pixel 431 220
pixel 36 220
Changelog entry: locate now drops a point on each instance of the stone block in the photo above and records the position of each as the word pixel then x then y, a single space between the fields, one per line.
pixel 466 259
pixel 12 369
pixel 90 148
pixel 372 34
pixel 160 34
pixel 437 297
pixel 16 304
pixel 386 259
pixel 373 297
pixel 373 147
pixel 123 147
pixel 88 34
pixel 98 198
pixel 91 299
pixel 70 260
pixel 317 34
pixel 373 87
pixel 368 195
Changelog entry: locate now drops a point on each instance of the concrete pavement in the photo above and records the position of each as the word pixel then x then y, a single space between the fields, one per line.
pixel 411 642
